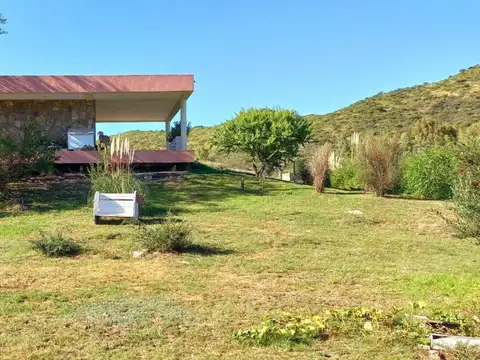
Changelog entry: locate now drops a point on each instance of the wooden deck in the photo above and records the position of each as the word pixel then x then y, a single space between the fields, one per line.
pixel 145 157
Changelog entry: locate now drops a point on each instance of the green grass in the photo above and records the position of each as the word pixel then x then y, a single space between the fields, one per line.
pixel 277 247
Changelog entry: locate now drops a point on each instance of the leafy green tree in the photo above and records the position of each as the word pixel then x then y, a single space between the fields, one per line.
pixel 269 137
pixel 3 21
pixel 176 130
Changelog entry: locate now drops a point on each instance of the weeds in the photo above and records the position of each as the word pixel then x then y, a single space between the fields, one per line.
pixel 56 245
pixel 379 160
pixel 318 166
pixel 170 236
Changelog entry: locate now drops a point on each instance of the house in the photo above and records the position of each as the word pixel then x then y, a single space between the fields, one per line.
pixel 60 103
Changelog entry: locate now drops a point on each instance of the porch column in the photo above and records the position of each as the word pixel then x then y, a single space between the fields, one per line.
pixel 167 130
pixel 183 124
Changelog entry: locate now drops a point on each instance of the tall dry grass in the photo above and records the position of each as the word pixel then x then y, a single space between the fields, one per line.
pixel 379 159
pixel 318 166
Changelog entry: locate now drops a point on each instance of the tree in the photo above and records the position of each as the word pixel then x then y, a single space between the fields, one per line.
pixel 3 21
pixel 269 137
pixel 176 130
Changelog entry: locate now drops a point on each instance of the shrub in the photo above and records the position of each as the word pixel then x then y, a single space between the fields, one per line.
pixel 379 161
pixel 466 199
pixel 346 176
pixel 171 236
pixel 430 175
pixel 318 166
pixel 466 190
pixel 56 245
pixel 30 154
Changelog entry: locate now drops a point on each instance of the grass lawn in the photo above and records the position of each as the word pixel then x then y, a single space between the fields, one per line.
pixel 262 251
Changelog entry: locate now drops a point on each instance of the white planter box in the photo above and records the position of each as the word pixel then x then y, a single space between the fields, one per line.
pixel 116 205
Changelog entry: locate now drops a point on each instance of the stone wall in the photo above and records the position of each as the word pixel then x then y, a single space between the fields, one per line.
pixel 54 117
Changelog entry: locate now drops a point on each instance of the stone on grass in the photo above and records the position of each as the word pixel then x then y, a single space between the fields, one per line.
pixel 140 254
pixel 355 212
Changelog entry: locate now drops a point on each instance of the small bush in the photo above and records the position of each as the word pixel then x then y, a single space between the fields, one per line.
pixel 318 166
pixel 56 245
pixel 466 191
pixel 379 160
pixel 430 175
pixel 347 176
pixel 171 236
pixel 29 154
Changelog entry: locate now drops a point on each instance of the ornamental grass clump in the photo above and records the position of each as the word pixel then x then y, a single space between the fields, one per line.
pixel 114 174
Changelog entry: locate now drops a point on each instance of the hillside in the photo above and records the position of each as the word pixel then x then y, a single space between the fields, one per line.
pixel 455 100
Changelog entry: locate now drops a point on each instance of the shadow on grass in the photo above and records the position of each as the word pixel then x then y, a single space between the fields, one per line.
pixel 205 250
pixel 204 189
pixel 154 221
pixel 55 194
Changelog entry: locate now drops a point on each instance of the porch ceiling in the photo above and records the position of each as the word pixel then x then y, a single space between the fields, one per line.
pixel 118 98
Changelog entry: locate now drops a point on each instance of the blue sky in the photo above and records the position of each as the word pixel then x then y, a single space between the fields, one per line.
pixel 314 56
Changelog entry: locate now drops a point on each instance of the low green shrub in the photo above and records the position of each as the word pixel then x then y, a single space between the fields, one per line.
pixel 346 177
pixel 56 245
pixel 466 191
pixel 430 175
pixel 287 329
pixel 170 236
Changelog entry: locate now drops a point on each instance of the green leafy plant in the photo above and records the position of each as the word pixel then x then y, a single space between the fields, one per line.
pixel 466 190
pixel 286 329
pixel 29 154
pixel 56 245
pixel 170 236
pixel 430 175
pixel 269 137
pixel 346 176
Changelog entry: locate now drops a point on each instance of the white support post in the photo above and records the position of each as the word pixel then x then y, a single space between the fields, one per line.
pixel 183 124
pixel 167 131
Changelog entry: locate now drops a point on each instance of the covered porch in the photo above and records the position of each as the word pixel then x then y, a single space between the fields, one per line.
pixel 61 103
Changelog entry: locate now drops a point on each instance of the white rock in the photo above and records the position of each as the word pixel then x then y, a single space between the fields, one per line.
pixel 433 355
pixel 139 254
pixel 355 212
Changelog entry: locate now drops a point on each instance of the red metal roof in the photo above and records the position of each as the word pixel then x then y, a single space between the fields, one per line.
pixel 76 84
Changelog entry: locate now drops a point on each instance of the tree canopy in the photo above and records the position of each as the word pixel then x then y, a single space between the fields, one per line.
pixel 3 21
pixel 269 137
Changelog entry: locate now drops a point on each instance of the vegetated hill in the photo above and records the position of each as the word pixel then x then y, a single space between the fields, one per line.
pixel 455 100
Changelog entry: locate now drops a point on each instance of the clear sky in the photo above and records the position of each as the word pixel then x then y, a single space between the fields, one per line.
pixel 314 56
